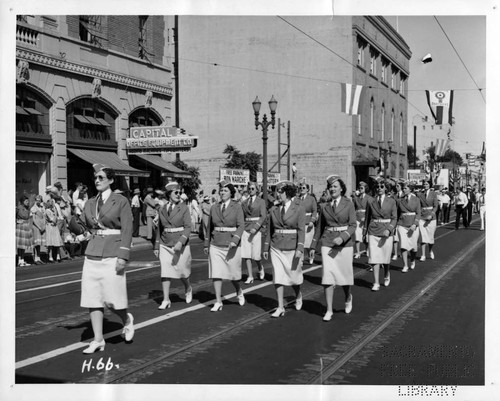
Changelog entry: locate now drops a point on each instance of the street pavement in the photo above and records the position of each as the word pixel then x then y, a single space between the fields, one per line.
pixel 426 328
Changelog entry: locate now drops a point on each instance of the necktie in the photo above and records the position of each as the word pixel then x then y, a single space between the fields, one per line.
pixel 250 202
pixel 169 210
pixel 99 204
pixel 223 208
pixel 334 205
pixel 282 212
pixel 380 201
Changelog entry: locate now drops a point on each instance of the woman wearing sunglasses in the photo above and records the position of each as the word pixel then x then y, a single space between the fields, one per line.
pixel 408 225
pixel 336 226
pixel 109 218
pixel 429 205
pixel 380 222
pixel 310 206
pixel 172 243
pixel 285 243
pixel 222 243
pixel 254 210
pixel 360 205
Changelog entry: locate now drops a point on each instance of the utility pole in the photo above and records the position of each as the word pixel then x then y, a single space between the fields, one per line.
pixel 176 75
pixel 289 151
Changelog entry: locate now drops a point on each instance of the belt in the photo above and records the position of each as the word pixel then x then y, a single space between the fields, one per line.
pixel 408 214
pixel 428 207
pixel 308 214
pixel 108 231
pixel 252 218
pixel 286 231
pixel 339 228
pixel 381 220
pixel 173 230
pixel 361 210
pixel 224 229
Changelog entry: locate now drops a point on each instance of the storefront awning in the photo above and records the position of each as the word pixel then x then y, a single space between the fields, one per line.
pixel 109 159
pixel 167 169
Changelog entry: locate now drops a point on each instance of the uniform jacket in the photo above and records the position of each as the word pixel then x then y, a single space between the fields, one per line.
pixel 115 213
pixel 360 205
pixel 344 215
pixel 375 212
pixel 179 217
pixel 411 205
pixel 257 209
pixel 294 219
pixel 429 201
pixel 232 217
pixel 311 207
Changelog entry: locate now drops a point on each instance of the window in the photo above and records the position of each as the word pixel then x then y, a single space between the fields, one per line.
pixel 393 78
pixel 392 125
pixel 382 125
pixel 383 70
pixel 143 38
pixel 32 113
pixel 361 52
pixel 91 29
pixel 372 117
pixel 401 130
pixel 359 124
pixel 143 117
pixel 402 83
pixel 373 62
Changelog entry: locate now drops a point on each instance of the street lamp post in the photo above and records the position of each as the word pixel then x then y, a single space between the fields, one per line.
pixel 264 124
pixel 422 120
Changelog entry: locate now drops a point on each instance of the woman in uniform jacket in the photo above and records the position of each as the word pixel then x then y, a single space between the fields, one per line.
pixel 172 243
pixel 222 243
pixel 360 205
pixel 381 217
pixel 408 225
pixel 428 222
pixel 336 226
pixel 397 194
pixel 108 216
pixel 310 206
pixel 254 211
pixel 285 243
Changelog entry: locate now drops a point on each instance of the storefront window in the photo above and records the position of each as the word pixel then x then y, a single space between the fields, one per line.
pixel 32 113
pixel 144 117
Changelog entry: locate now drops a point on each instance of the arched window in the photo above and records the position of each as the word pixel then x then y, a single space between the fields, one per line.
pixel 401 130
pixel 392 125
pixel 382 125
pixel 144 117
pixel 32 112
pixel 372 117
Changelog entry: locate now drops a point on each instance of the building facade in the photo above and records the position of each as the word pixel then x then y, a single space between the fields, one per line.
pixel 226 61
pixel 82 82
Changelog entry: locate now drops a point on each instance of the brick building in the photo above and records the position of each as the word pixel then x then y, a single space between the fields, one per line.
pixel 82 82
pixel 226 61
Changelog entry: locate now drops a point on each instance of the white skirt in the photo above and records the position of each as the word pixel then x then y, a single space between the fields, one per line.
pixel 380 249
pixel 427 230
pixel 358 233
pixel 251 245
pixel 337 265
pixel 175 264
pixel 283 262
pixel 408 242
pixel 309 237
pixel 224 264
pixel 102 286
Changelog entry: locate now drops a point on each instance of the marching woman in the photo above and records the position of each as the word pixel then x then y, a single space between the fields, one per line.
pixel 380 222
pixel 397 194
pixel 310 206
pixel 360 205
pixel 429 205
pixel 254 211
pixel 408 225
pixel 285 243
pixel 109 218
pixel 24 232
pixel 337 224
pixel 39 227
pixel 222 243
pixel 172 243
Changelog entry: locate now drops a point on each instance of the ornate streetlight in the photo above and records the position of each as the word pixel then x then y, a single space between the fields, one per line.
pixel 264 124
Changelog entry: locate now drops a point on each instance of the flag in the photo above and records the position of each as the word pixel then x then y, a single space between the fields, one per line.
pixel 442 145
pixel 350 98
pixel 441 105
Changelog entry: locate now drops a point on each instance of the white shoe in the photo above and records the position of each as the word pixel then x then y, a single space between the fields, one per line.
pixel 21 263
pixel 376 287
pixel 262 274
pixel 165 304
pixel 387 281
pixel 128 330
pixel 95 346
pixel 405 269
pixel 279 312
pixel 431 255
pixel 412 265
pixel 357 255
pixel 241 298
pixel 298 302
pixel 249 280
pixel 189 295
pixel 348 305
pixel 395 257
pixel 422 258
pixel 217 307
pixel 328 316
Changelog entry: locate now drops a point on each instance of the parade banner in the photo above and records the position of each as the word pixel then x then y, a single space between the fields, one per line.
pixel 272 178
pixel 154 140
pixel 235 177
pixel 350 98
pixel 441 105
pixel 416 176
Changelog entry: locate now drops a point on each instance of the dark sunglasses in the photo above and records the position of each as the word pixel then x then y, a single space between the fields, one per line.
pixel 380 186
pixel 176 192
pixel 252 189
pixel 100 177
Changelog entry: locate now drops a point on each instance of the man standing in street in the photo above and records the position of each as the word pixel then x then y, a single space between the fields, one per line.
pixel 471 201
pixel 136 212
pixel 460 208
pixel 150 212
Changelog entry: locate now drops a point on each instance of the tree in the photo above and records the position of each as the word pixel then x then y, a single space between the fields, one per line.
pixel 411 156
pixel 448 157
pixel 237 160
pixel 190 185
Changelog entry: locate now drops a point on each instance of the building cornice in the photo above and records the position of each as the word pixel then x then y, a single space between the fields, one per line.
pixel 88 71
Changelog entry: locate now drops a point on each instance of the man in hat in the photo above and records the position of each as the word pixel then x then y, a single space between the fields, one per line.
pixel 471 201
pixel 151 206
pixel 206 205
pixel 136 211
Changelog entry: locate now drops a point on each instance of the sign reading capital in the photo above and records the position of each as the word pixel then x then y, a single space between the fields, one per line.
pixel 159 139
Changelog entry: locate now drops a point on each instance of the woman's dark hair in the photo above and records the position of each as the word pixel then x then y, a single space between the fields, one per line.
pixel 409 185
pixel 22 199
pixel 343 188
pixel 231 188
pixel 289 190
pixel 110 173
